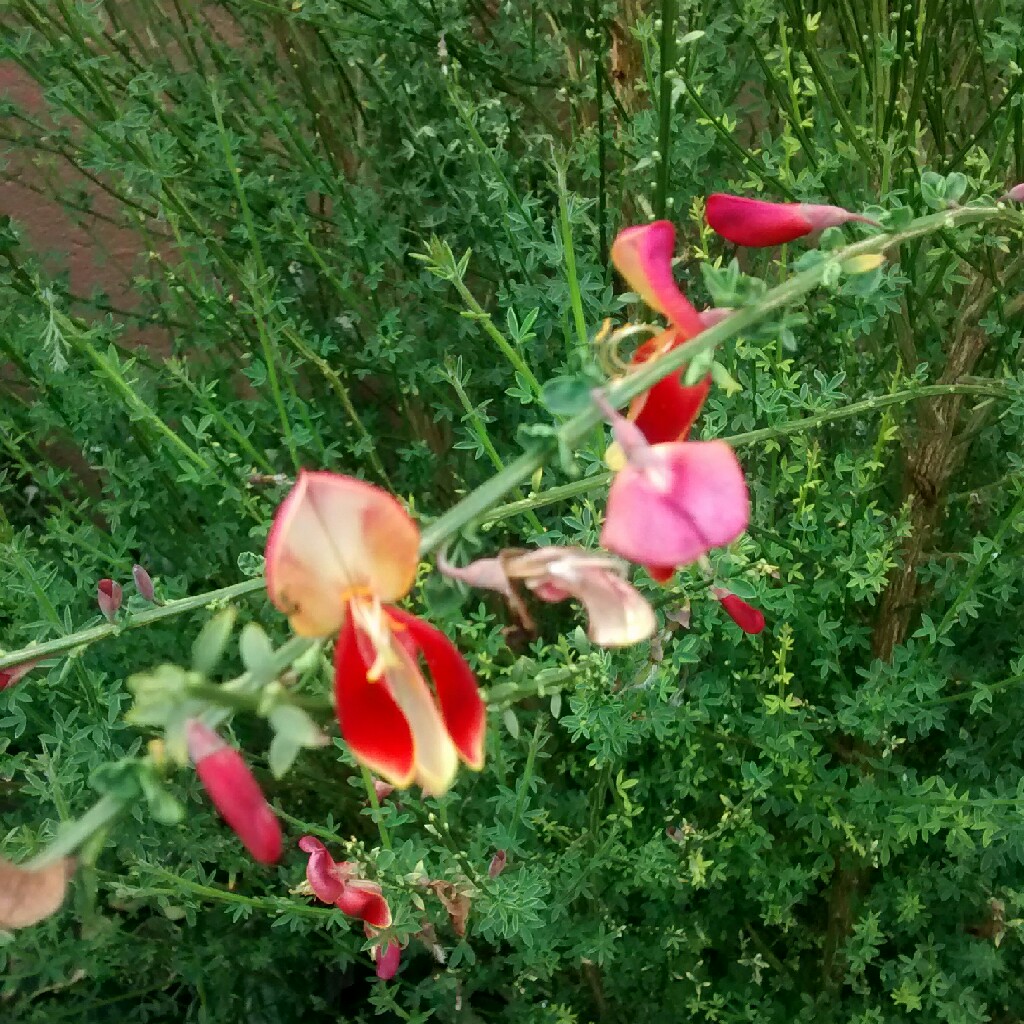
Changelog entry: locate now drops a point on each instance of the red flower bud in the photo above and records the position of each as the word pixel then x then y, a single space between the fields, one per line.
pixel 143 583
pixel 234 792
pixel 498 862
pixel 108 596
pixel 9 676
pixel 746 616
pixel 387 958
pixel 757 223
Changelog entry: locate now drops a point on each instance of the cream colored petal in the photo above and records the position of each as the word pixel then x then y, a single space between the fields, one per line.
pixel 332 536
pixel 619 616
pixel 436 759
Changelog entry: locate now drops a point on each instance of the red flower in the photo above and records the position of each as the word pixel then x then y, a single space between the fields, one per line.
pixel 746 616
pixel 338 552
pixel 108 597
pixel 757 223
pixel 234 792
pixel 386 956
pixel 333 882
pixel 9 676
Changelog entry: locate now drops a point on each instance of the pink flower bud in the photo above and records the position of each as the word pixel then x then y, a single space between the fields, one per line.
pixel 758 223
pixel 498 862
pixel 382 789
pixel 143 583
pixel 387 958
pixel 1016 193
pixel 234 792
pixel 108 596
pixel 9 676
pixel 746 616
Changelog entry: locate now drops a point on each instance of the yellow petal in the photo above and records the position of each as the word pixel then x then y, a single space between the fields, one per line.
pixel 335 537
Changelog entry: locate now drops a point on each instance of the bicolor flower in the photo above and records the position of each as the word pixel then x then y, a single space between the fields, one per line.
pixel 672 503
pixel 108 597
pixel 758 223
pixel 10 676
pixel 335 882
pixel 234 792
pixel 619 616
pixel 339 551
pixel 746 616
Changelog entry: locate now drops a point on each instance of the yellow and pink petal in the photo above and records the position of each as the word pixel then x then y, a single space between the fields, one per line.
pixel 333 538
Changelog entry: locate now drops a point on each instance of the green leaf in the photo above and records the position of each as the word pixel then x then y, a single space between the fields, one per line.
pixel 294 724
pixel 282 754
pixel 567 396
pixel 213 639
pixel 257 653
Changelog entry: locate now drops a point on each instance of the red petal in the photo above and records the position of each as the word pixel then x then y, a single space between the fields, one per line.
pixel 371 722
pixel 325 884
pixel 364 900
pixel 746 616
pixel 660 573
pixel 754 222
pixel 668 410
pixel 463 711
pixel 387 959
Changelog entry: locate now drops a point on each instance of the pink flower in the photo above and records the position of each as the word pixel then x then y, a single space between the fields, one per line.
pixel 10 676
pixel 108 596
pixel 619 615
pixel 746 616
pixel 234 792
pixel 1016 193
pixel 382 790
pixel 673 502
pixel 497 865
pixel 387 957
pixel 143 583
pixel 333 882
pixel 757 223
pixel 339 551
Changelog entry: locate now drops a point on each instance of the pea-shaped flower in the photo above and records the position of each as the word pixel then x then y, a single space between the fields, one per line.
pixel 340 550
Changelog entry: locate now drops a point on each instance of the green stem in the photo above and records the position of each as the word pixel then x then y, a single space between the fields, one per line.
pixel 575 298
pixel 669 21
pixel 72 835
pixel 371 795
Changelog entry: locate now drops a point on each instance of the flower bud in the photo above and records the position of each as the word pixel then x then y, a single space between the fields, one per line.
pixel 746 616
pixel 382 789
pixel 387 957
pixel 9 676
pixel 234 792
pixel 498 862
pixel 1016 193
pixel 108 596
pixel 143 583
pixel 758 223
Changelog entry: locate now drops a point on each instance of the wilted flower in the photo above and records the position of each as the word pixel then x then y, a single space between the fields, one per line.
pixel 108 596
pixel 758 223
pixel 334 882
pixel 234 792
pixel 9 676
pixel 143 583
pixel 618 614
pixel 338 551
pixel 29 895
pixel 746 616
pixel 672 503
pixel 497 865
pixel 455 901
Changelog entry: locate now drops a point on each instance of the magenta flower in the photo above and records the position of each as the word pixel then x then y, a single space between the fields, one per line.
pixel 672 503
pixel 757 223
pixel 234 792
pixel 746 616
pixel 386 955
pixel 333 882
pixel 108 597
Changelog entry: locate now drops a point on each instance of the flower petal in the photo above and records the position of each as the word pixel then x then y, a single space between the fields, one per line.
pixel 326 885
pixel 675 503
pixel 364 900
pixel 746 616
pixel 757 223
pixel 387 958
pixel 619 616
pixel 643 256
pixel 334 536
pixel 371 723
pixel 461 708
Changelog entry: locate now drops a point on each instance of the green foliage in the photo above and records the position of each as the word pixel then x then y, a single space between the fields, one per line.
pixel 372 237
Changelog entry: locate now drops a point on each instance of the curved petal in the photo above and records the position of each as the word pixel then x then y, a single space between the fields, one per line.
pixel 461 708
pixel 667 411
pixel 320 873
pixel 755 222
pixel 334 536
pixel 676 503
pixel 746 616
pixel 643 256
pixel 371 723
pixel 619 616
pixel 364 900
pixel 660 573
